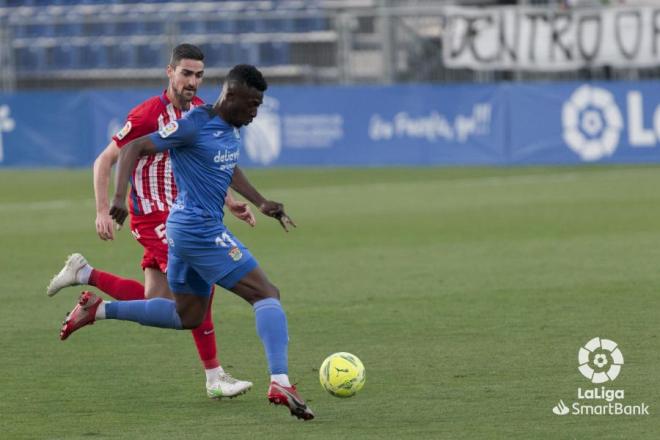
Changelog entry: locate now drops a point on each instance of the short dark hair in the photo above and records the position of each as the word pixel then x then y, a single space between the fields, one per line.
pixel 248 75
pixel 186 51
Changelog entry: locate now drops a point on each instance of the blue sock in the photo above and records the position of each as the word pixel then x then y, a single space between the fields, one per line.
pixel 272 329
pixel 155 312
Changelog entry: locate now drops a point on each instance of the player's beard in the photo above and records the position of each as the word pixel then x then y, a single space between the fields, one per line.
pixel 185 97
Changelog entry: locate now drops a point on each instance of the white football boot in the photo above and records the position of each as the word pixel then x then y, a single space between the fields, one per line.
pixel 224 385
pixel 68 275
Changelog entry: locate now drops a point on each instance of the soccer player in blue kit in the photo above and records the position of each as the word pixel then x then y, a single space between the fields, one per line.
pixel 204 148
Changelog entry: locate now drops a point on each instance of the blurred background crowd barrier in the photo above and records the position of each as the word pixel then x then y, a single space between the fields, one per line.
pixel 488 124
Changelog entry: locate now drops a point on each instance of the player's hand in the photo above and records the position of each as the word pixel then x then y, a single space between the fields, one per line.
pixel 243 212
pixel 276 210
pixel 104 226
pixel 118 211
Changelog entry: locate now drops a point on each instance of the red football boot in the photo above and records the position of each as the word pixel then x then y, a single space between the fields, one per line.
pixel 281 395
pixel 84 313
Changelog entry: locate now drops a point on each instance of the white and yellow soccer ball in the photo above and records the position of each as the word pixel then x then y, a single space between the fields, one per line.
pixel 342 374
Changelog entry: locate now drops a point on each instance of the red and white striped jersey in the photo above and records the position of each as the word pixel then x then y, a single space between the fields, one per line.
pixel 152 182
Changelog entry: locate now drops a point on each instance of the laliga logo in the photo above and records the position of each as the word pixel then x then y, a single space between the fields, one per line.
pixel 263 139
pixel 600 360
pixel 592 123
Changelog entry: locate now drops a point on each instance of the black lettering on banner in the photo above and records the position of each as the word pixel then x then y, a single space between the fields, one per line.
pixel 583 21
pixel 478 24
pixel 558 31
pixel 532 17
pixel 509 49
pixel 619 28
pixel 656 30
pixel 452 21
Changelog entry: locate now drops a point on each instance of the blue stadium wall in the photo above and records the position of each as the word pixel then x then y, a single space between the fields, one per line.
pixel 499 124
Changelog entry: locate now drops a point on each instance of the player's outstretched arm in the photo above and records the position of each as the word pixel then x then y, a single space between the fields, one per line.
pixel 102 170
pixel 242 185
pixel 128 157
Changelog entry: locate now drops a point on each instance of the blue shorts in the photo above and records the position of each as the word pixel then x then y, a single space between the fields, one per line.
pixel 200 257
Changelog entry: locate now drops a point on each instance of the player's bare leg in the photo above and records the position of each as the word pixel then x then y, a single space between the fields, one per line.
pixel 155 284
pixel 191 309
pixel 272 329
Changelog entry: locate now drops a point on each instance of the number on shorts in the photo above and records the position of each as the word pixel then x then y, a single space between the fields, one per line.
pixel 160 232
pixel 225 240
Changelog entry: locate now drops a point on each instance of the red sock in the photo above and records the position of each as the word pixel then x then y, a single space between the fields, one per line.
pixel 204 336
pixel 119 288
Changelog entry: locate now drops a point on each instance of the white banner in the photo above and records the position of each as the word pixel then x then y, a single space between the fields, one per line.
pixel 542 39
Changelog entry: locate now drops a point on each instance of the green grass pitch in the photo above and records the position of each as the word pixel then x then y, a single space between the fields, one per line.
pixel 465 292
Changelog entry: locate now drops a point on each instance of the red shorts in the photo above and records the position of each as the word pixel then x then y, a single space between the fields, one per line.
pixel 149 231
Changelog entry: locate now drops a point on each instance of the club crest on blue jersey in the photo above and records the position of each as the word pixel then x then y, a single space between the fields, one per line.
pixel 235 254
pixel 167 130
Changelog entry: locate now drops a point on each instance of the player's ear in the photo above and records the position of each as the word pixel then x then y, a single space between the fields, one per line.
pixel 170 71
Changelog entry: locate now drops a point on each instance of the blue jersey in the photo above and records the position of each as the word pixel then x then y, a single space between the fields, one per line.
pixel 204 150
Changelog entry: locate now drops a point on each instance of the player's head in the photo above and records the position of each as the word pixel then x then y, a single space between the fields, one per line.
pixel 185 71
pixel 242 94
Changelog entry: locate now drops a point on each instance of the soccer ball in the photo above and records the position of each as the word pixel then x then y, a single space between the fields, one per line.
pixel 342 374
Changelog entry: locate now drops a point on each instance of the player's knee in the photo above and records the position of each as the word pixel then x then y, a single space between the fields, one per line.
pixel 190 318
pixel 191 322
pixel 268 291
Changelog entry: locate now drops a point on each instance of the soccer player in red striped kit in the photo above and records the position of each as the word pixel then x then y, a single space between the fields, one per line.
pixel 153 191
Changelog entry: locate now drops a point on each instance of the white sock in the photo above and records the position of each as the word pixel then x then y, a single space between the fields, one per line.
pixel 82 276
pixel 100 310
pixel 212 374
pixel 282 379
